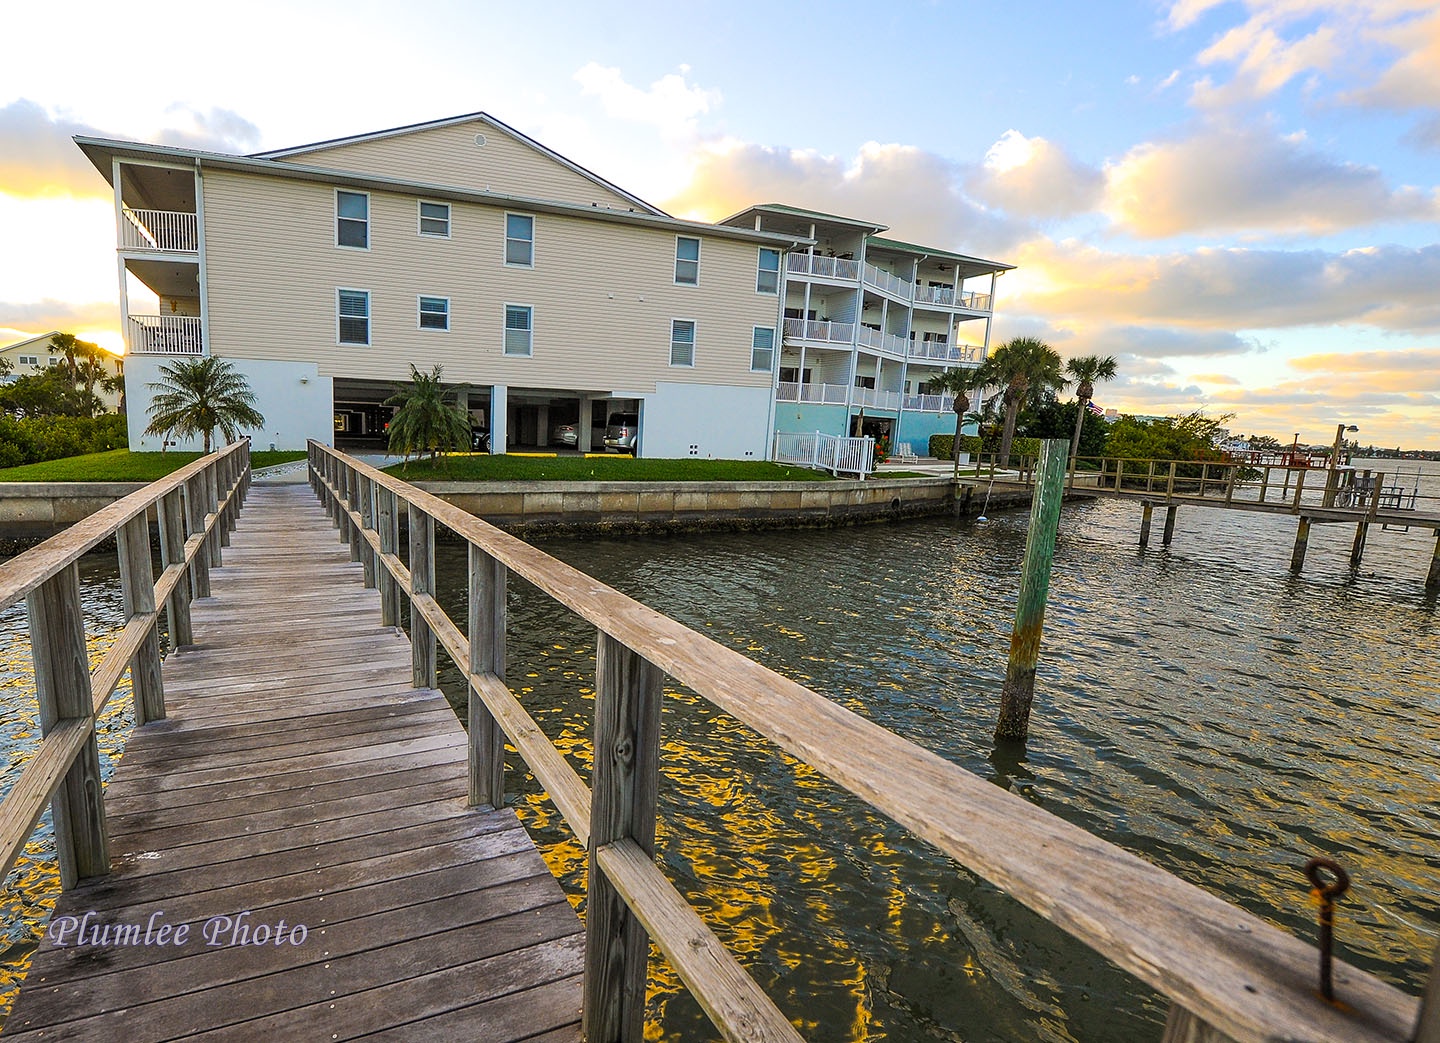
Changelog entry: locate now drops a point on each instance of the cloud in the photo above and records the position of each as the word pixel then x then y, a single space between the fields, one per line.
pixel 1033 177
pixel 1222 379
pixel 214 130
pixel 669 102
pixel 1225 179
pixel 921 196
pixel 1403 370
pixel 1264 61
pixel 1413 81
pixel 49 314
pixel 37 157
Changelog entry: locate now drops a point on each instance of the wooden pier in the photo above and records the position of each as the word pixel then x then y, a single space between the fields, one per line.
pixel 295 763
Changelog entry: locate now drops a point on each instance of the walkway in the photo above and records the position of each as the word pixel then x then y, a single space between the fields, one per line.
pixel 300 778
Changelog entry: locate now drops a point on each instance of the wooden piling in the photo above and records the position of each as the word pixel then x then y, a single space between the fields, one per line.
pixel 1432 580
pixel 1357 549
pixel 1427 1030
pixel 1145 524
pixel 1019 689
pixel 1302 541
pixel 1169 533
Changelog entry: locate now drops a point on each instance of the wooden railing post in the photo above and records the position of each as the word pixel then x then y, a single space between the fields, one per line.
pixel 212 506
pixel 1182 1026
pixel 224 481
pixel 352 495
pixel 1170 483
pixel 195 523
pixel 171 510
pixel 1427 1030
pixel 623 784
pixel 389 526
pixel 137 589
pixel 62 684
pixel 487 658
pixel 422 581
pixel 1299 489
pixel 367 523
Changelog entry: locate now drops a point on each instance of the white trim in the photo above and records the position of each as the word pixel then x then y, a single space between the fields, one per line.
pixel 675 271
pixel 694 339
pixel 505 330
pixel 120 256
pixel 505 239
pixel 774 344
pixel 368 238
pixel 420 313
pixel 420 218
pixel 202 277
pixel 779 270
pixel 369 319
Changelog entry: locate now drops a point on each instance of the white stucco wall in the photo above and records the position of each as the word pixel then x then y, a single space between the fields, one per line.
pixel 297 402
pixel 715 421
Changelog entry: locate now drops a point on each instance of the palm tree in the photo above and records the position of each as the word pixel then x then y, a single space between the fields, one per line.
pixel 1026 369
pixel 197 397
pixel 1085 371
pixel 958 382
pixel 427 419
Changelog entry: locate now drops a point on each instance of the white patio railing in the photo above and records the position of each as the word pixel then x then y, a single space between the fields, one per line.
pixel 825 394
pixel 826 452
pixel 944 296
pixel 809 329
pixel 889 283
pixel 165 335
pixel 823 267
pixel 877 399
pixel 930 403
pixel 944 352
pixel 974 301
pixel 883 341
pixel 170 230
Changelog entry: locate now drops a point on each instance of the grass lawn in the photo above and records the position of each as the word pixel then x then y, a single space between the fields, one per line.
pixel 482 468
pixel 121 465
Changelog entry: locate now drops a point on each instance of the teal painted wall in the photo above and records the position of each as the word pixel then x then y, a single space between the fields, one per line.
pixel 808 416
pixel 916 428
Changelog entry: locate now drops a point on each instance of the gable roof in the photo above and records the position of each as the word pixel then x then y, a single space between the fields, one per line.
pixel 31 340
pixel 450 121
pixel 931 251
pixel 795 211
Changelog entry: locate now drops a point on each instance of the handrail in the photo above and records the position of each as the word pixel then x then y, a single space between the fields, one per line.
pixel 196 506
pixel 1219 965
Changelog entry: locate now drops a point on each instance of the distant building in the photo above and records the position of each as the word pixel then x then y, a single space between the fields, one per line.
pixel 34 354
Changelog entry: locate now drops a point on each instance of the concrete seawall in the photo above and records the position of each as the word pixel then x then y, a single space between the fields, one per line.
pixel 34 511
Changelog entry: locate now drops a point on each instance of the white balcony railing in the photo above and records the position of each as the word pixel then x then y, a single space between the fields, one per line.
pixel 873 398
pixel 882 341
pixel 826 452
pixel 943 296
pixel 974 301
pixel 165 335
pixel 930 403
pixel 892 284
pixel 809 329
pixel 171 231
pixel 823 267
pixel 825 394
pixel 946 352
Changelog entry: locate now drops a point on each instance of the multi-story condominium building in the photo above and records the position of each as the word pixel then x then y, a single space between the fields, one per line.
pixel 868 322
pixel 29 356
pixel 549 295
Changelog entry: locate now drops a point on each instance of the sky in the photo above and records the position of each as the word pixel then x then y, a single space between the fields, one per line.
pixel 1238 199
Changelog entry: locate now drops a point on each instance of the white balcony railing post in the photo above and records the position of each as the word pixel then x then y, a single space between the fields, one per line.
pixel 171 231
pixel 166 335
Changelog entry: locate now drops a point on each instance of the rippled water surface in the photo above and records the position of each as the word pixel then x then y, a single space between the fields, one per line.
pixel 1200 706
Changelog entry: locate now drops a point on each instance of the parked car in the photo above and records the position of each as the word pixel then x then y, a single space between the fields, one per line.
pixel 479 439
pixel 620 433
pixel 564 434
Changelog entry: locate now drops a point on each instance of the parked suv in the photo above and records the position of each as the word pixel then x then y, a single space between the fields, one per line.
pixel 621 431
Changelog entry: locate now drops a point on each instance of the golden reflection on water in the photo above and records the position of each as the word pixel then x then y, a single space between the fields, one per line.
pixel 28 895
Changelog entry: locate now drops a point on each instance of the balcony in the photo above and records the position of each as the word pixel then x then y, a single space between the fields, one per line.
pixel 939 296
pixel 890 342
pixel 823 267
pixel 943 351
pixel 930 403
pixel 825 394
pixel 830 332
pixel 974 301
pixel 162 231
pixel 873 398
pixel 165 335
pixel 891 284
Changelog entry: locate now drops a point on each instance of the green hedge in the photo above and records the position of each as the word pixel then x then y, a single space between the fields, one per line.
pixel 42 438
pixel 1025 447
pixel 941 446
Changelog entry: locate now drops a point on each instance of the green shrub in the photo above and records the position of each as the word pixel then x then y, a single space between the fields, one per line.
pixel 1025 447
pixel 35 439
pixel 941 446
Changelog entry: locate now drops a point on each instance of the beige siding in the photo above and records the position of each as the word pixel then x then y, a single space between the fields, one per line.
pixel 603 293
pixel 449 156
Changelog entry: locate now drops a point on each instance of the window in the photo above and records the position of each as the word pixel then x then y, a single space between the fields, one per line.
pixel 434 313
pixel 687 261
pixel 682 342
pixel 30 360
pixel 519 329
pixel 520 240
pixel 54 359
pixel 792 375
pixel 352 219
pixel 762 349
pixel 435 219
pixel 354 316
pixel 767 279
pixel 868 383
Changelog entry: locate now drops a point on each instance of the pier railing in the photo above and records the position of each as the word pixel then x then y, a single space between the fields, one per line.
pixel 196 508
pixel 1228 974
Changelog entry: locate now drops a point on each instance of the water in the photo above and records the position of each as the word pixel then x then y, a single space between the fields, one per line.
pixel 1199 705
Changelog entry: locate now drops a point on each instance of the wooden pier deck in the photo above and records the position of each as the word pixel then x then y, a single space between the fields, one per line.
pixel 299 777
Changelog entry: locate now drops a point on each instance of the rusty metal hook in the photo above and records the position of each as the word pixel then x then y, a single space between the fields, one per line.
pixel 1325 894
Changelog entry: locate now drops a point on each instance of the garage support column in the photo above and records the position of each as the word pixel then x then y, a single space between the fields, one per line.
pixel 499 413
pixel 542 421
pixel 583 434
